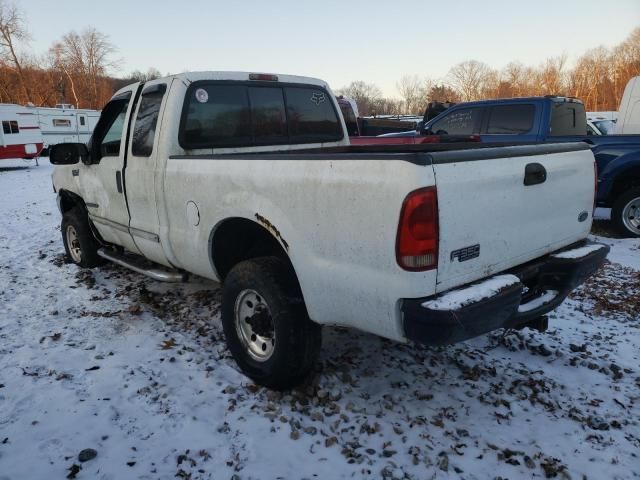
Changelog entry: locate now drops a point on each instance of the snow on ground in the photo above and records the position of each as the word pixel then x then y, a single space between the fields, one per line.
pixel 137 370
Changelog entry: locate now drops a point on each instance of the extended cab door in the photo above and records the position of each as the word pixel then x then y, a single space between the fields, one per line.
pixel 141 174
pixel 102 181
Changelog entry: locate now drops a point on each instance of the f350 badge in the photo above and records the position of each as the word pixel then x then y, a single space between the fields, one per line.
pixel 466 253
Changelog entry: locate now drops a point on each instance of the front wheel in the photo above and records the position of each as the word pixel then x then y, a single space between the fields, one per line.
pixel 79 242
pixel 625 213
pixel 266 325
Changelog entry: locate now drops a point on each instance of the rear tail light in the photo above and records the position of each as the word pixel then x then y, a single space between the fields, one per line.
pixel 417 239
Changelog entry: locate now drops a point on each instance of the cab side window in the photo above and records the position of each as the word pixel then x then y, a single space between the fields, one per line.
pixel 107 137
pixel 511 119
pixel 144 130
pixel 464 121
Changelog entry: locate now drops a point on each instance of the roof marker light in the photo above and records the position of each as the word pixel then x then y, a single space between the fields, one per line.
pixel 263 76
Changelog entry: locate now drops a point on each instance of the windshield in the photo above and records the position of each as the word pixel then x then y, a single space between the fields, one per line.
pixel 605 126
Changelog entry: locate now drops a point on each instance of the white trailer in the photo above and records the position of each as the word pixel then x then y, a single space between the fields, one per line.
pixel 20 135
pixel 64 123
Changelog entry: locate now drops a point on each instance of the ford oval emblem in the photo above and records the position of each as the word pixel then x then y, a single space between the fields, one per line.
pixel 583 216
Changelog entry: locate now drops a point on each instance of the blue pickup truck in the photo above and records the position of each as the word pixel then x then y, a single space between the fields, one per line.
pixel 554 119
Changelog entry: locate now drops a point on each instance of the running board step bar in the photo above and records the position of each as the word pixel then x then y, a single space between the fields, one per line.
pixel 138 266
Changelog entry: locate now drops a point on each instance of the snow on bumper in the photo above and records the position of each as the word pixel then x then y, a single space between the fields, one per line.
pixel 509 300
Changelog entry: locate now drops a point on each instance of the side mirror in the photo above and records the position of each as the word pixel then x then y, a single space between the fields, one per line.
pixel 68 153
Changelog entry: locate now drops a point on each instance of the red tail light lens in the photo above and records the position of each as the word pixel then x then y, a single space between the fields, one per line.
pixel 417 240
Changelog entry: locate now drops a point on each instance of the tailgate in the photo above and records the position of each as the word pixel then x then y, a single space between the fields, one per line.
pixel 491 221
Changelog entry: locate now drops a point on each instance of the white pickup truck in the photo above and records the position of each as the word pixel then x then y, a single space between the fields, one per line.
pixel 249 179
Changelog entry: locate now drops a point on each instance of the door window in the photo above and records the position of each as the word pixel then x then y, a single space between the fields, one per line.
pixel 464 121
pixel 144 131
pixel 511 119
pixel 108 132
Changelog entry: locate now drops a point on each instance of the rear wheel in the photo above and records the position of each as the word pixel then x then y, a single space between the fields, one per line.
pixel 625 213
pixel 80 244
pixel 266 325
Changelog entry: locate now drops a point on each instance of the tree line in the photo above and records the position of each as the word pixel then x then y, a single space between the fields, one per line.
pixel 76 68
pixel 597 78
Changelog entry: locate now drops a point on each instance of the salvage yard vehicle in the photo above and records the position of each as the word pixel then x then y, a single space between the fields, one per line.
pixel 629 115
pixel 20 135
pixel 249 179
pixel 554 119
pixel 64 124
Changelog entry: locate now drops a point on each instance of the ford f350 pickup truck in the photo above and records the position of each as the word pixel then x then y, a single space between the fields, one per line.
pixel 249 179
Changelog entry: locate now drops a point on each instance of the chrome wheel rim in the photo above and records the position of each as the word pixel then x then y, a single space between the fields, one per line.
pixel 631 215
pixel 74 244
pixel 254 325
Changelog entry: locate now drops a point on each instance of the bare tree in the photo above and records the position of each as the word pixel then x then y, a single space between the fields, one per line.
pixel 552 76
pixel 414 92
pixel 12 30
pixel 151 74
pixel 468 78
pixel 364 94
pixel 84 59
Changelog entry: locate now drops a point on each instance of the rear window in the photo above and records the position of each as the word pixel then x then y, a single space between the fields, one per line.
pixel 568 118
pixel 511 119
pixel 464 121
pixel 219 115
pixel 269 115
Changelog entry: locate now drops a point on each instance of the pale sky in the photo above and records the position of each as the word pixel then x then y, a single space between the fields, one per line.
pixel 338 41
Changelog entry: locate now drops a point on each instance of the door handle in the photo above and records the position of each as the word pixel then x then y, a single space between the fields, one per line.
pixel 534 173
pixel 119 181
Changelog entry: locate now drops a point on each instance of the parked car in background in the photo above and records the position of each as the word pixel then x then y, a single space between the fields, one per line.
pixel 603 122
pixel 64 124
pixel 601 126
pixel 249 179
pixel 553 119
pixel 629 111
pixel 20 135
pixel 358 126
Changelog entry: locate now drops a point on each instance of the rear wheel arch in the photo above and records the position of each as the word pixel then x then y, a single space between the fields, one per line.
pixel 237 239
